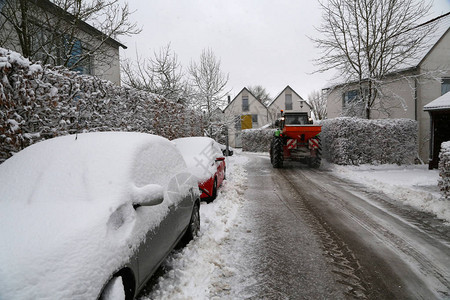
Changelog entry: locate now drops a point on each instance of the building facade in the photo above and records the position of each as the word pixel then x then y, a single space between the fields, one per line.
pixel 287 100
pixel 55 40
pixel 245 111
pixel 405 92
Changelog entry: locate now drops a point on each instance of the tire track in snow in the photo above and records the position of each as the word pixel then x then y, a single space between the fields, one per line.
pixel 345 264
pixel 411 246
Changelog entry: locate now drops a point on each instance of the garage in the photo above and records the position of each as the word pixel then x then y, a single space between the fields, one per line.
pixel 439 111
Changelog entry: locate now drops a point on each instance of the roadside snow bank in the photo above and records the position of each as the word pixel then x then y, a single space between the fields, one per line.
pixel 197 272
pixel 414 185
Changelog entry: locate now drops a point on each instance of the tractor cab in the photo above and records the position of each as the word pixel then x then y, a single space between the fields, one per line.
pixel 298 118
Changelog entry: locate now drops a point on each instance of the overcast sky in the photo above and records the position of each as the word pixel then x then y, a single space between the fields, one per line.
pixel 259 42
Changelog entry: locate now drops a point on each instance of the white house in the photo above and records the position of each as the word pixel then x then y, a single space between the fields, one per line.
pixel 245 111
pixel 287 100
pixel 47 22
pixel 408 90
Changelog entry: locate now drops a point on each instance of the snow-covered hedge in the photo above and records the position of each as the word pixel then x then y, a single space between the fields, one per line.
pixel 39 102
pixel 257 140
pixel 444 170
pixel 353 141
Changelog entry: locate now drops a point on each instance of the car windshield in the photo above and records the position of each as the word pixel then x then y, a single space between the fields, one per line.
pixel 296 119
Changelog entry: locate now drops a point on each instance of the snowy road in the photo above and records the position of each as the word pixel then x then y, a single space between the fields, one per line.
pixel 376 248
pixel 300 233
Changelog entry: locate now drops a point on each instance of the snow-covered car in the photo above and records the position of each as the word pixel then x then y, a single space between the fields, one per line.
pixel 92 216
pixel 206 161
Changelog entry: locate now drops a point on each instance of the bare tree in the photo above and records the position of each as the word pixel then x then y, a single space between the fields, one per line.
pixel 260 93
pixel 318 104
pixel 162 74
pixel 54 31
pixel 366 40
pixel 209 83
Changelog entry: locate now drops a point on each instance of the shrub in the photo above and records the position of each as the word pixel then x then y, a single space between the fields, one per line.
pixel 39 102
pixel 257 140
pixel 444 170
pixel 353 141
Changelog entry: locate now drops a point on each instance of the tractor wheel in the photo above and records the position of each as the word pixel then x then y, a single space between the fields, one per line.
pixel 277 153
pixel 271 151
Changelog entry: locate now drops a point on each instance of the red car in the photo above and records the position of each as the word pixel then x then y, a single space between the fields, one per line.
pixel 205 160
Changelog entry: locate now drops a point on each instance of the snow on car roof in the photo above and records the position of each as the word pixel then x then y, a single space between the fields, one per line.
pixel 199 154
pixel 57 199
pixel 92 166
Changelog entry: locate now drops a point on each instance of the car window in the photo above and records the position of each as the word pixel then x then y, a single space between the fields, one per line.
pixel 217 149
pixel 157 163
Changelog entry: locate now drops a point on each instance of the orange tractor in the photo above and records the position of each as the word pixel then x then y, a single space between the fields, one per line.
pixel 297 139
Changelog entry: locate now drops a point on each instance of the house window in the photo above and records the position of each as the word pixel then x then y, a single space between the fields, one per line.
pixel 77 57
pixel 288 101
pixel 254 118
pixel 445 86
pixel 58 49
pixel 349 97
pixel 245 105
pixel 237 122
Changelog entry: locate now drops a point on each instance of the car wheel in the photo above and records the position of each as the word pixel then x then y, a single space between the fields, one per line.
pixel 114 289
pixel 194 226
pixel 214 192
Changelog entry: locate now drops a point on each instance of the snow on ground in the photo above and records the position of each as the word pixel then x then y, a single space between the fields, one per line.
pixel 200 270
pixel 414 185
pixel 205 270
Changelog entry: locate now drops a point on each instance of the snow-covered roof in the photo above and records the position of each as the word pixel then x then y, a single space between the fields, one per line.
pixel 250 92
pixel 443 102
pixel 88 28
pixel 287 87
pixel 442 27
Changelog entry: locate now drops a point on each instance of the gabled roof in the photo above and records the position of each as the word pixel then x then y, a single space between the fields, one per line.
pixel 441 103
pixel 56 10
pixel 287 87
pixel 244 89
pixel 442 28
pixel 442 23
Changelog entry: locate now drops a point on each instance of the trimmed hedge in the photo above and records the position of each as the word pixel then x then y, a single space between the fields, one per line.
pixel 444 170
pixel 353 141
pixel 257 140
pixel 39 102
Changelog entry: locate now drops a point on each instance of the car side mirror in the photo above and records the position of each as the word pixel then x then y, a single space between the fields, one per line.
pixel 220 158
pixel 149 195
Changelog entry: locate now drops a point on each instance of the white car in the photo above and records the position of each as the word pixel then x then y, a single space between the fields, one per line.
pixel 92 216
